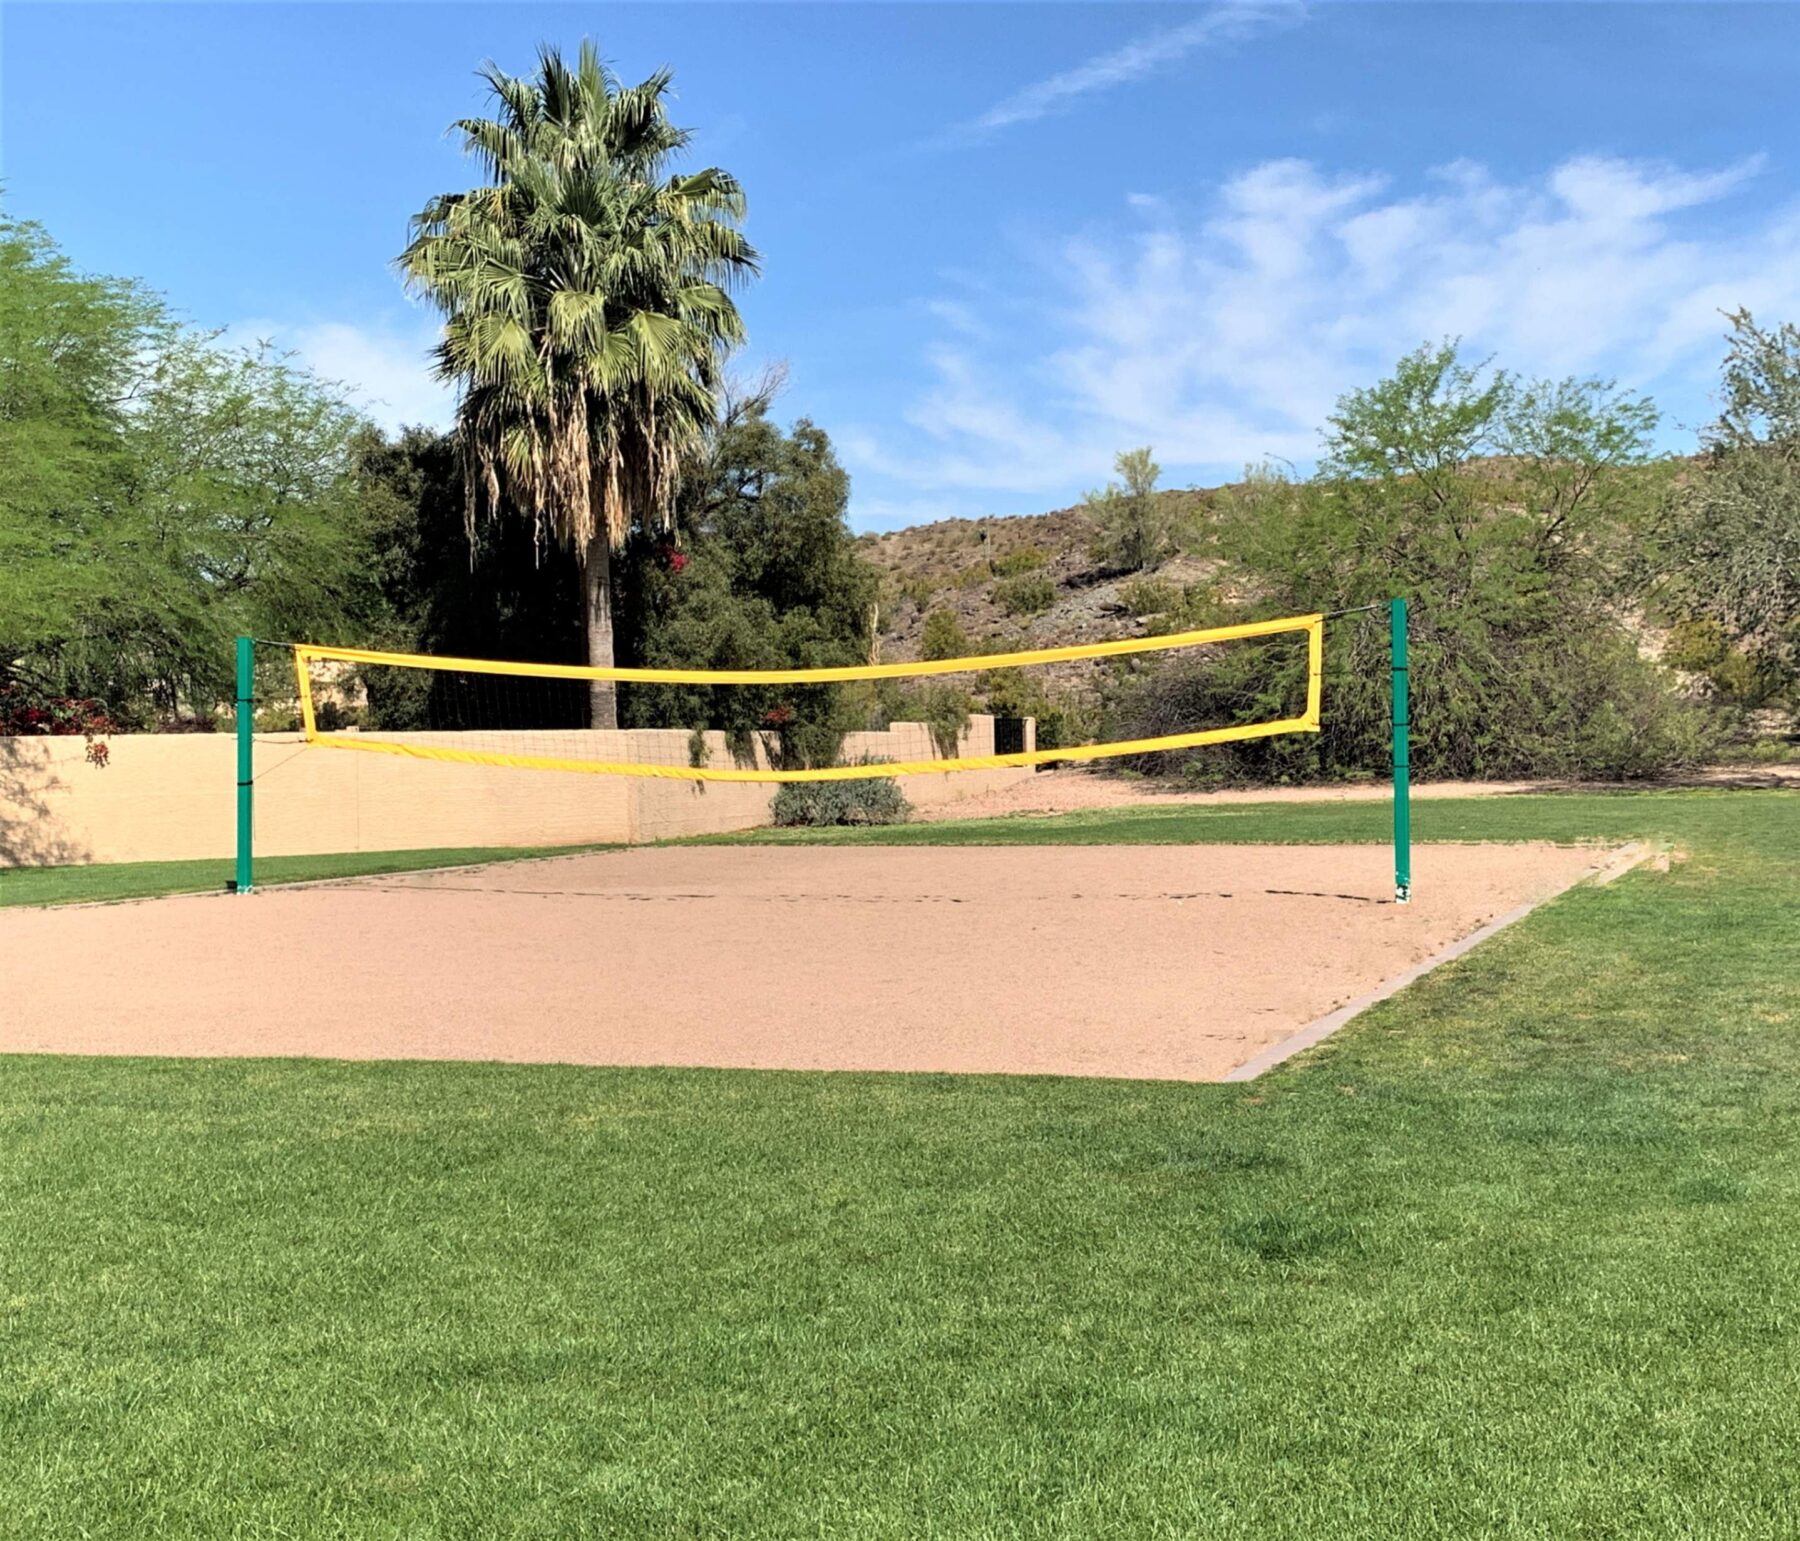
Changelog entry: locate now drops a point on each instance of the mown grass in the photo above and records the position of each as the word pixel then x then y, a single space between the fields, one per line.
pixel 1515 1255
pixel 1559 816
pixel 104 881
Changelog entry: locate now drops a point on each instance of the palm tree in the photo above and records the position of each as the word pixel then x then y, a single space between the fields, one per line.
pixel 587 312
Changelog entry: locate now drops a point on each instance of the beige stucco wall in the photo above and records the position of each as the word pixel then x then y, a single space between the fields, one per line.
pixel 168 797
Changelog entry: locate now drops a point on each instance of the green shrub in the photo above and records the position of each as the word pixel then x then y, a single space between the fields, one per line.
pixel 1593 709
pixel 1135 524
pixel 1582 705
pixel 1061 717
pixel 918 589
pixel 1729 540
pixel 1494 505
pixel 331 716
pixel 944 708
pixel 1704 648
pixel 399 699
pixel 942 705
pixel 1028 594
pixel 943 636
pixel 878 800
pixel 1149 596
pixel 1025 559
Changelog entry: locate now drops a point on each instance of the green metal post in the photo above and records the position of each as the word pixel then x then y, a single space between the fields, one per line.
pixel 246 757
pixel 1402 755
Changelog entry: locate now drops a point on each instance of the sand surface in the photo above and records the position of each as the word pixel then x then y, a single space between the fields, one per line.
pixel 1155 961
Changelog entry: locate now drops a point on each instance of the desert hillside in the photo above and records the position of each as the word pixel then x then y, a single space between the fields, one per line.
pixel 1036 580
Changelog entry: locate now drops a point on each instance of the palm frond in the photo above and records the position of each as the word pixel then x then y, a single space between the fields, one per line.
pixel 587 298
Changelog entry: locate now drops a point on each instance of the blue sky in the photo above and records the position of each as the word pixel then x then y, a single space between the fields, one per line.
pixel 1000 242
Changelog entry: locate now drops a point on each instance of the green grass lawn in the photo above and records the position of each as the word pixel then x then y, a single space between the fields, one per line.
pixel 1516 1254
pixel 1559 816
pixel 100 882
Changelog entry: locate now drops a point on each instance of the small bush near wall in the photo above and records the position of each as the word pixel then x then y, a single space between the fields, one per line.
pixel 876 801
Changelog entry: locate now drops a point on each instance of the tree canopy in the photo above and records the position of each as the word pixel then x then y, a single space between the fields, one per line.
pixel 759 570
pixel 1136 527
pixel 159 494
pixel 1732 538
pixel 1504 511
pixel 585 293
pixel 766 576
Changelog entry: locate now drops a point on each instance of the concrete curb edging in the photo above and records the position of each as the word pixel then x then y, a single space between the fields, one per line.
pixel 1622 861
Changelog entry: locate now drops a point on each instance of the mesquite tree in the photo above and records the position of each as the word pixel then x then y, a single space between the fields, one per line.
pixel 1732 540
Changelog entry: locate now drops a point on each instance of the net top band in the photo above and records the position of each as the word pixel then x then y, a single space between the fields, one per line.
pixel 881 671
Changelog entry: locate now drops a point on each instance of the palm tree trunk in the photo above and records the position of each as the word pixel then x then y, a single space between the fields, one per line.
pixel 596 586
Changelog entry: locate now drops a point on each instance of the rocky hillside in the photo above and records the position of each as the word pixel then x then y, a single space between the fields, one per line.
pixel 1034 580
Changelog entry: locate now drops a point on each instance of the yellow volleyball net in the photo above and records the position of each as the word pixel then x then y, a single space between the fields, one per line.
pixel 533 716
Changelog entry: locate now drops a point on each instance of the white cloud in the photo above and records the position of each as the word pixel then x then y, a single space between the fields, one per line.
pixel 1142 56
pixel 958 316
pixel 1226 337
pixel 385 365
pixel 1601 188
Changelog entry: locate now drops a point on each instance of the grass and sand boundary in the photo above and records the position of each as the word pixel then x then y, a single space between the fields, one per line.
pixel 1055 809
